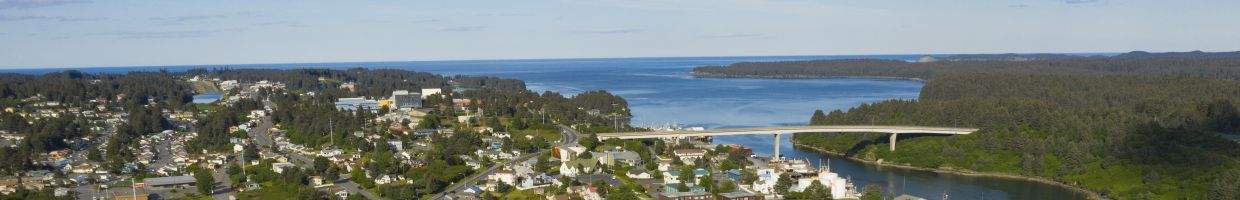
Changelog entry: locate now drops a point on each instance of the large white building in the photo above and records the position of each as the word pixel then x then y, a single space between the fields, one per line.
pixel 840 189
pixel 405 99
pixel 357 102
pixel 839 186
pixel 430 91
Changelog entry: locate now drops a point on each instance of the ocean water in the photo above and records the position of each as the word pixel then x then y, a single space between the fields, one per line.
pixel 209 97
pixel 661 91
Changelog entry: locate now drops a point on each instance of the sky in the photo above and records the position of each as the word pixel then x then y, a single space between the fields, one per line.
pixel 92 33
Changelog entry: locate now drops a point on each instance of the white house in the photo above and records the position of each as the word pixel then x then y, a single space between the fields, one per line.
pixel 569 153
pixel 689 155
pixel 639 174
pixel 503 176
pixel 840 188
pixel 766 181
pixel 280 166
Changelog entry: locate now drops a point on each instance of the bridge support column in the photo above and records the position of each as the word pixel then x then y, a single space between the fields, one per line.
pixel 775 155
pixel 893 141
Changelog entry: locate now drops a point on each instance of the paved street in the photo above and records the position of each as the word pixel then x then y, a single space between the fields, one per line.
pixel 224 188
pixel 354 188
pixel 569 138
pixel 87 192
pixel 262 136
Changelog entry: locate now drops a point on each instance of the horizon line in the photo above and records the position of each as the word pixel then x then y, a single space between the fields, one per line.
pixel 11 68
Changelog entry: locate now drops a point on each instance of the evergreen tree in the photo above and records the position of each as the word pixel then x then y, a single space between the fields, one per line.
pixel 204 180
pixel 784 182
pixel 818 118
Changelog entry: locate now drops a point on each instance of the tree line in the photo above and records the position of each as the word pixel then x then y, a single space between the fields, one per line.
pixel 76 88
pixel 1127 126
pixel 1207 65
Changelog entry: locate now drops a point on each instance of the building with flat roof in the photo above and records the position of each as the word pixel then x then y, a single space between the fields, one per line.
pixel 670 192
pixel 406 99
pixel 740 195
pixel 355 103
pixel 169 181
pixel 430 91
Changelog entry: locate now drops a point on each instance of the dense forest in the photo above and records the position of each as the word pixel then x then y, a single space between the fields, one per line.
pixel 1208 65
pixel 76 88
pixel 213 129
pixel 1007 57
pixel 1130 126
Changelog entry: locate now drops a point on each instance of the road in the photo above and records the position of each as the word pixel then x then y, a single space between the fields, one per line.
pixel 353 188
pixel 259 133
pixel 88 191
pixel 262 136
pixel 224 190
pixel 569 137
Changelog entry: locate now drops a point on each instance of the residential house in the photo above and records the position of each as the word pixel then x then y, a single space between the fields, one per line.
pixel 612 157
pixel 577 167
pixel 638 173
pixel 689 156
pixel 281 166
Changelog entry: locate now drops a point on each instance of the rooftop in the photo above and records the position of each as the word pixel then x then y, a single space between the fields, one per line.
pixel 168 180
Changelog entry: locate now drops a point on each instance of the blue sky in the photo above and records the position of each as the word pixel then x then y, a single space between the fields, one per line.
pixel 87 33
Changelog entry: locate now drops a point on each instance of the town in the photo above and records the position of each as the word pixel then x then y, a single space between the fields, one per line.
pixel 329 134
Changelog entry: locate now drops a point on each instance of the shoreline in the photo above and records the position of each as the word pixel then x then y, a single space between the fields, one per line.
pixel 1090 194
pixel 723 76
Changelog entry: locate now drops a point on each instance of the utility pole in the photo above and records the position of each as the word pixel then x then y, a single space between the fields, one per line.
pixel 243 174
pixel 133 185
pixel 331 135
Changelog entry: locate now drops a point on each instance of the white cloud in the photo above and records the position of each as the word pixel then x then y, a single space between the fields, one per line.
pixel 1081 1
pixel 608 31
pixel 810 8
pixel 463 28
pixel 22 4
pixel 4 18
pixel 733 35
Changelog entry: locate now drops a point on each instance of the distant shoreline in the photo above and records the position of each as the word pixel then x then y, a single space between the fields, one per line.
pixel 727 76
pixel 1090 194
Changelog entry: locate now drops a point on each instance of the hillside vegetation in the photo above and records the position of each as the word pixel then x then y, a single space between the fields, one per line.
pixel 1128 127
pixel 1208 65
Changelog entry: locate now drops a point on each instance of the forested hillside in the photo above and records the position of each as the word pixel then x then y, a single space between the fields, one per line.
pixel 1129 128
pixel 1209 65
pixel 77 88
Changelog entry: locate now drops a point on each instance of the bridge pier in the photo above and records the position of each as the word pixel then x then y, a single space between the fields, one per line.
pixel 893 141
pixel 775 155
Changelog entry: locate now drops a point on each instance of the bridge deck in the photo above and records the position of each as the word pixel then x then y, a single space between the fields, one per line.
pixel 790 129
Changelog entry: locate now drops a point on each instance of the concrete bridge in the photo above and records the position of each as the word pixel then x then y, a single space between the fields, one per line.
pixel 895 131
